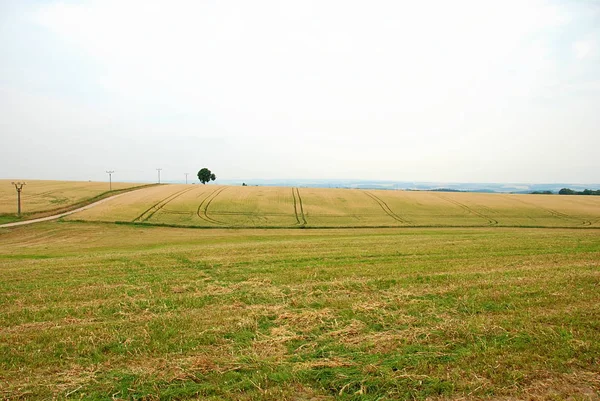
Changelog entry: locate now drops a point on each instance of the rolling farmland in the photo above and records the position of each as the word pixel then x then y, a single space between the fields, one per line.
pixel 226 206
pixel 399 295
pixel 339 200
pixel 41 196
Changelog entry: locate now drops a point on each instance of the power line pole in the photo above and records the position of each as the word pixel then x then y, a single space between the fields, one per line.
pixel 19 187
pixel 110 173
pixel 158 169
pixel 186 174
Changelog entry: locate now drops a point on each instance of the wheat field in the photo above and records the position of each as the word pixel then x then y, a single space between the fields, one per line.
pixel 42 195
pixel 229 206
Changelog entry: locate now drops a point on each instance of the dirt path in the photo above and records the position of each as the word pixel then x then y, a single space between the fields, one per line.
pixel 58 216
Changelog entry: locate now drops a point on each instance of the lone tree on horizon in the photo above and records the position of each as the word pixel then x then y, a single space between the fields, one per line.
pixel 205 175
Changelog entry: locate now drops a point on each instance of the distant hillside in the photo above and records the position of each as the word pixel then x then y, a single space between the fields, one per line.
pixel 519 188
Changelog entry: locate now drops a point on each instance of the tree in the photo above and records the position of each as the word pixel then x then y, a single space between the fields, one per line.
pixel 205 175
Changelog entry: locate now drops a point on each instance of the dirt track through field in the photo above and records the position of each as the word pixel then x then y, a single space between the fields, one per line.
pixel 148 213
pixel 58 216
pixel 295 206
pixel 555 213
pixel 298 207
pixel 384 206
pixel 202 211
pixel 491 221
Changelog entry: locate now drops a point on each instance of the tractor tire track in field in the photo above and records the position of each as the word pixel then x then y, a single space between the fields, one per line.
pixel 491 221
pixel 246 214
pixel 384 206
pixel 202 211
pixel 555 213
pixel 298 206
pixel 295 206
pixel 148 213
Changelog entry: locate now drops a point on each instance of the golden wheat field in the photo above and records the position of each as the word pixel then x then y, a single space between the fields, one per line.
pixel 229 206
pixel 42 195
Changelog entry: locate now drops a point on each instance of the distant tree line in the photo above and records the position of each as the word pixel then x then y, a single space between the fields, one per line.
pixel 446 190
pixel 542 193
pixel 568 191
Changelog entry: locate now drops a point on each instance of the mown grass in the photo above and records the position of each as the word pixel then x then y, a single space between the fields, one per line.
pixel 101 311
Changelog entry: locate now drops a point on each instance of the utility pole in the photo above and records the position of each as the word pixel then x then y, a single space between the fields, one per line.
pixel 19 187
pixel 158 169
pixel 186 174
pixel 110 173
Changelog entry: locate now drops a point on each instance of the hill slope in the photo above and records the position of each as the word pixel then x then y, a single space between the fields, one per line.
pixel 228 206
pixel 41 198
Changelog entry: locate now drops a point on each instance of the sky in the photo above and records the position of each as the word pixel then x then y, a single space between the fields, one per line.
pixel 444 91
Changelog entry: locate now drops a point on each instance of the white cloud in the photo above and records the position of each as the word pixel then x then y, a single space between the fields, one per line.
pixel 240 51
pixel 445 82
pixel 582 49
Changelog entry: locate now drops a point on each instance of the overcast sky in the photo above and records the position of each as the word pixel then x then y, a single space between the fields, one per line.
pixel 454 91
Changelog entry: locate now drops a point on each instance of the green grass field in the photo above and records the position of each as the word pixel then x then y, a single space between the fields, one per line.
pixel 228 206
pixel 106 311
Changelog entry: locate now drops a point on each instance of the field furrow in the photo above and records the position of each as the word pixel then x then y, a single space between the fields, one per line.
pixel 468 209
pixel 301 208
pixel 557 214
pixel 384 206
pixel 203 207
pixel 148 213
pixel 295 206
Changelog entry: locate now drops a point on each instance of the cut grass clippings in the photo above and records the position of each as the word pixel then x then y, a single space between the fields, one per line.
pixel 100 311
